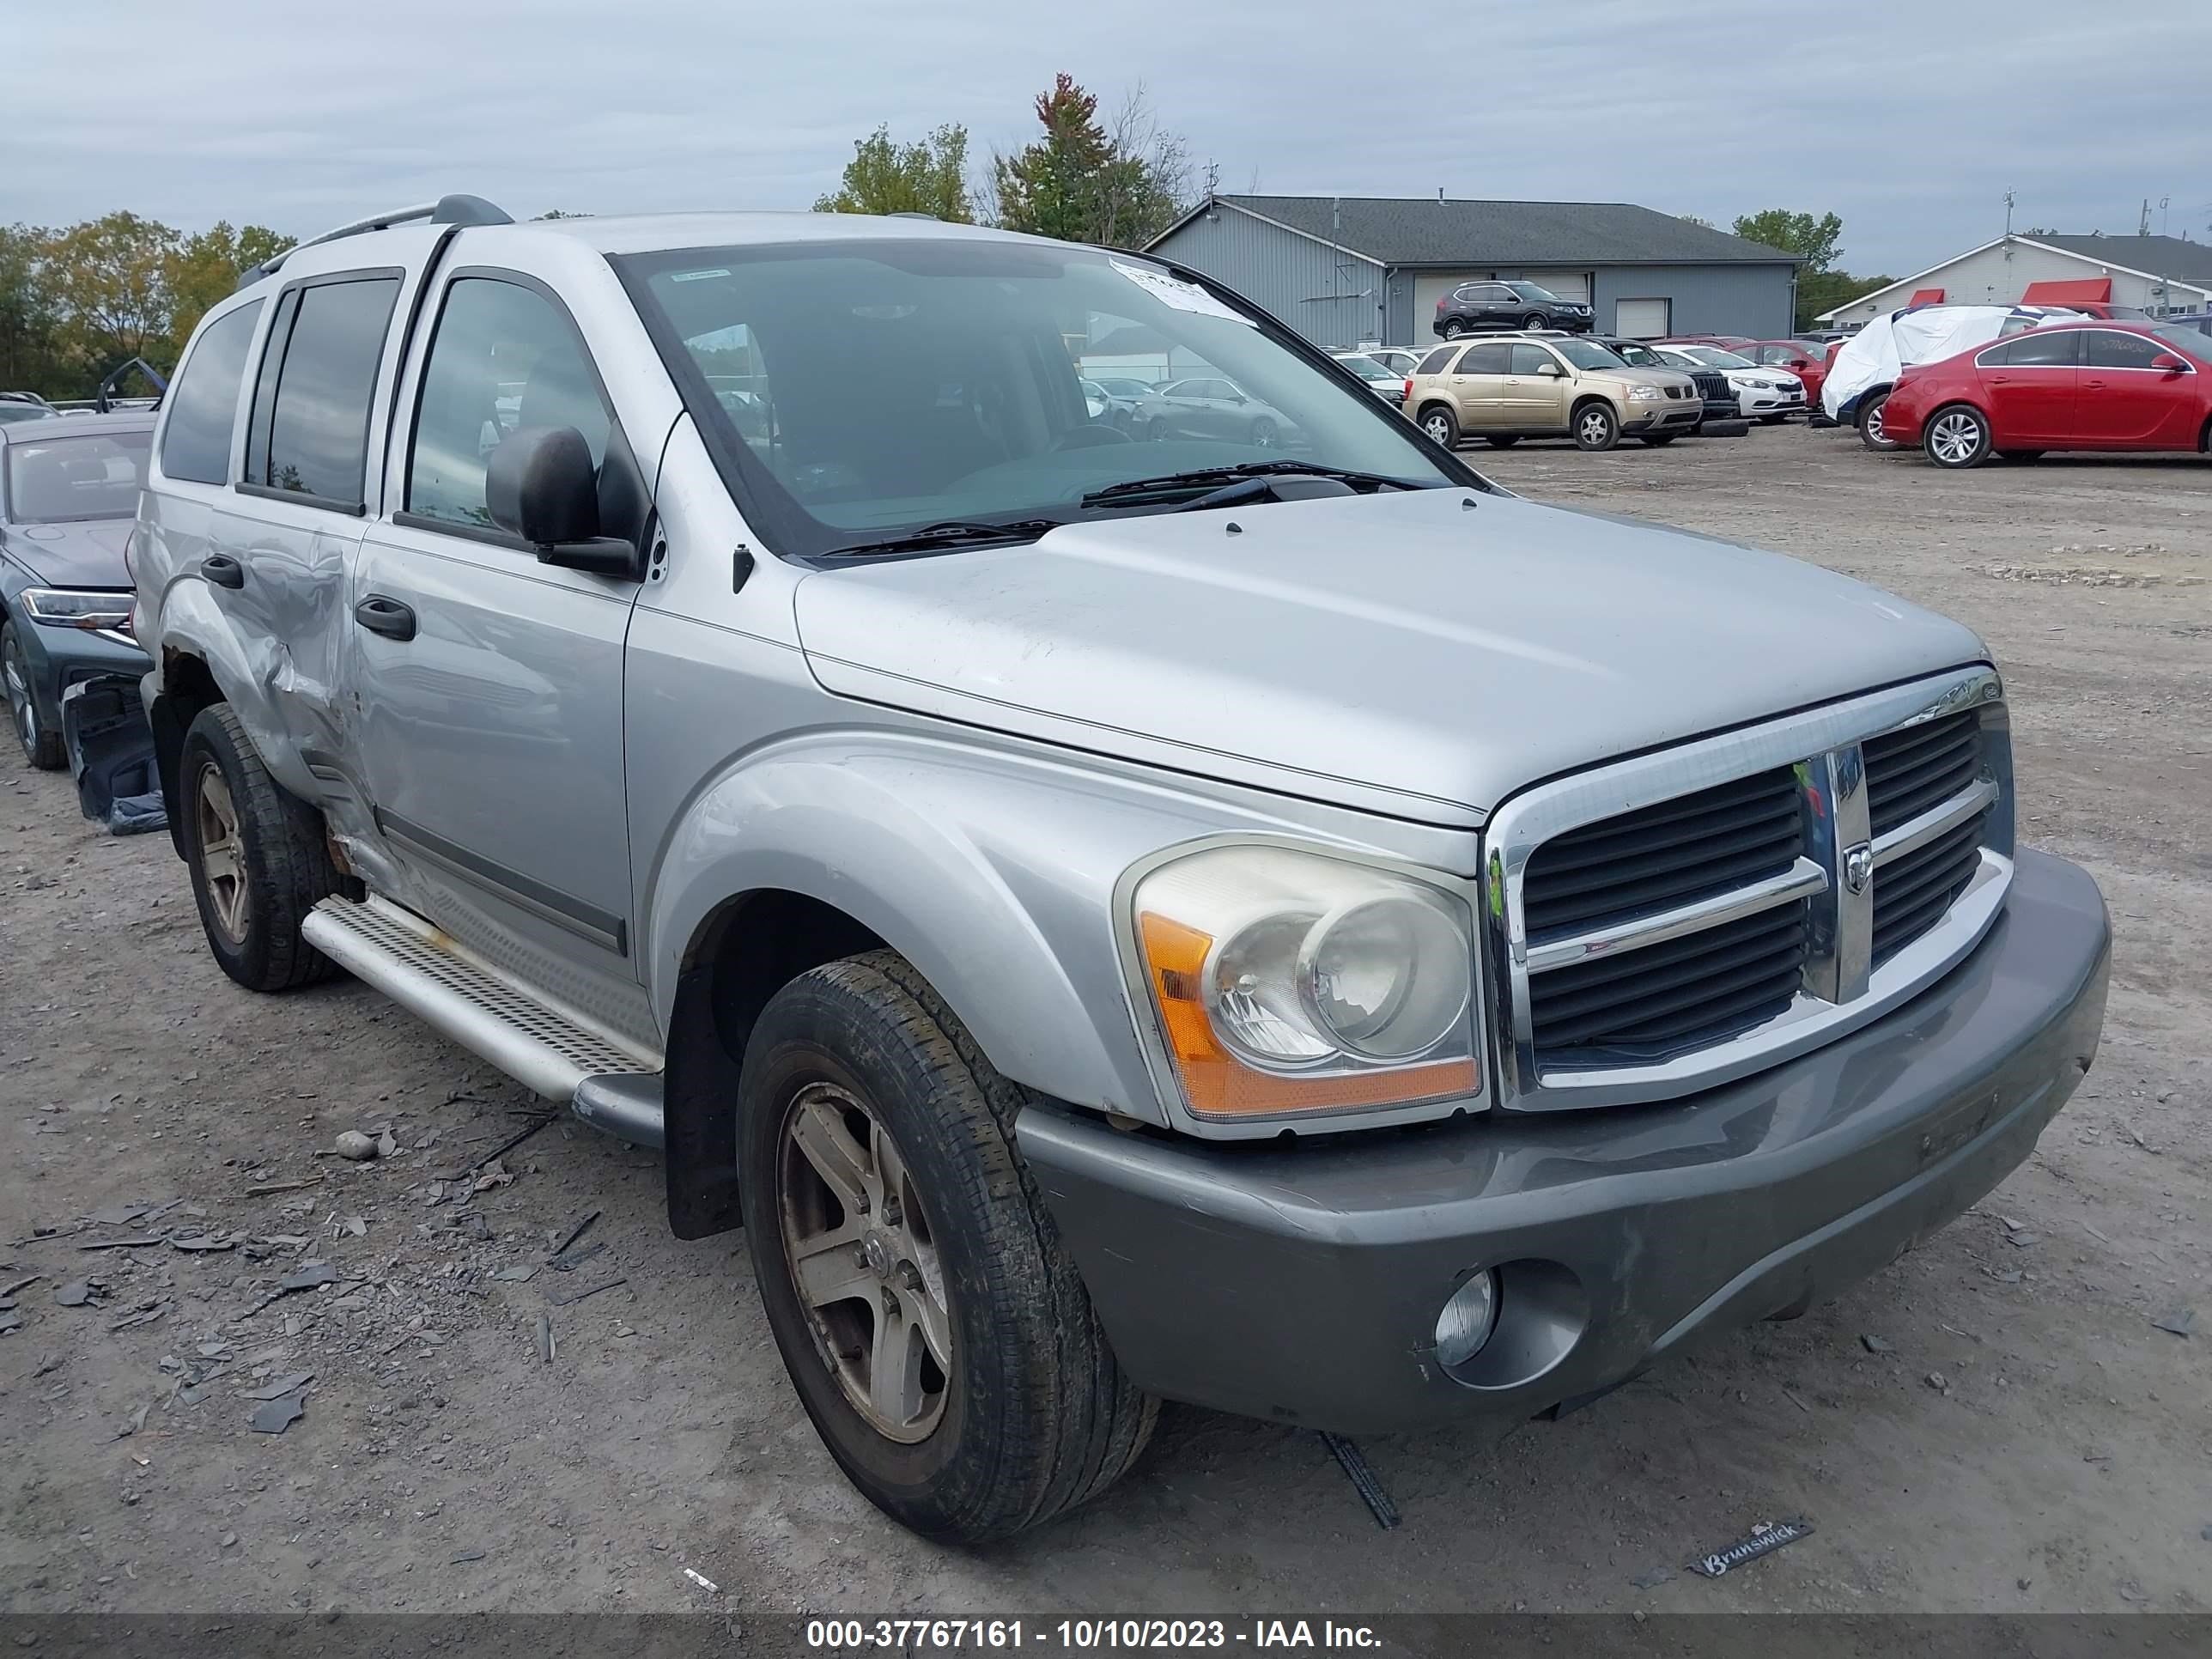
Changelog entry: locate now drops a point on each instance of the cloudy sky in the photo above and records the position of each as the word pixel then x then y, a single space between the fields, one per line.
pixel 1911 120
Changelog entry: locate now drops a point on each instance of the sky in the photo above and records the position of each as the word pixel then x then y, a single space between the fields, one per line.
pixel 1909 120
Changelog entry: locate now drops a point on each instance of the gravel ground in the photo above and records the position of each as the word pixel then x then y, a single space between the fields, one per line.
pixel 1994 1422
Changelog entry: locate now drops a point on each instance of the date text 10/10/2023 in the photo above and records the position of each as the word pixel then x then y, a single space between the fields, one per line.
pixel 1084 1635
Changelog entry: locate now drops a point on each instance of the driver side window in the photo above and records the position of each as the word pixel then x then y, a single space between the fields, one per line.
pixel 503 357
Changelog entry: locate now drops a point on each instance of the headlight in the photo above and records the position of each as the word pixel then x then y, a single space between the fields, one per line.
pixel 74 607
pixel 1644 394
pixel 1290 983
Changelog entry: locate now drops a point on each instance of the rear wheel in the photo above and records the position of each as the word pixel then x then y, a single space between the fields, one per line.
pixel 1263 434
pixel 1453 328
pixel 1870 429
pixel 1441 426
pixel 1957 437
pixel 1597 427
pixel 42 748
pixel 258 859
pixel 1502 439
pixel 934 1327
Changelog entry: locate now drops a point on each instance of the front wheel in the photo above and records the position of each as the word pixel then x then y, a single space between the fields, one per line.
pixel 935 1326
pixel 1263 434
pixel 42 748
pixel 1440 426
pixel 258 858
pixel 1597 427
pixel 1958 437
pixel 1870 427
pixel 1535 319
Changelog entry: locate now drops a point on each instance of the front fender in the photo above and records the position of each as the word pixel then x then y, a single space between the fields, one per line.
pixel 243 669
pixel 991 870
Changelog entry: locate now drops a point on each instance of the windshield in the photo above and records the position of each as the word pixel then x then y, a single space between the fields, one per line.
pixel 93 475
pixel 1713 357
pixel 1530 291
pixel 1368 369
pixel 1587 354
pixel 1124 388
pixel 910 383
pixel 2192 341
pixel 1642 355
pixel 12 411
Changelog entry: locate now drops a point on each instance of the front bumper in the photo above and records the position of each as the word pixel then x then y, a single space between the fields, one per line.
pixel 59 657
pixel 1302 1284
pixel 1675 414
pixel 1771 402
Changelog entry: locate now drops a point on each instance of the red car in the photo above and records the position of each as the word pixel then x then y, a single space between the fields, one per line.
pixel 2090 385
pixel 1806 359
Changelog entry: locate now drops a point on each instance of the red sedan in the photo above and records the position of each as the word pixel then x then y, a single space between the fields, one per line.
pixel 1806 359
pixel 2099 385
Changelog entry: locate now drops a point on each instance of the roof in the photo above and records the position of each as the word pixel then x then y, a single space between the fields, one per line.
pixel 66 425
pixel 1393 230
pixel 2189 262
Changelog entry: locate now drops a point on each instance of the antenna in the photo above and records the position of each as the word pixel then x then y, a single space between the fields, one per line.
pixel 2008 202
pixel 2142 223
pixel 2164 201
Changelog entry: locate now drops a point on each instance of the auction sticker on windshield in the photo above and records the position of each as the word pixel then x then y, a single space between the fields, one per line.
pixel 1174 291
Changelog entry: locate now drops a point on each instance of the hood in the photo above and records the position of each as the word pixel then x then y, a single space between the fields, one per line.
pixel 1635 374
pixel 1401 652
pixel 85 554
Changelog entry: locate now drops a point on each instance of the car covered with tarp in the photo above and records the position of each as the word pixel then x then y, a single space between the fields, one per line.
pixel 1867 365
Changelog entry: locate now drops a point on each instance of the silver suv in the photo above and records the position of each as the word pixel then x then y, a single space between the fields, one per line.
pixel 1285 926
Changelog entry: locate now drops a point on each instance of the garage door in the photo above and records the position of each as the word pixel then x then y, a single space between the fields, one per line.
pixel 1641 320
pixel 1567 284
pixel 1428 288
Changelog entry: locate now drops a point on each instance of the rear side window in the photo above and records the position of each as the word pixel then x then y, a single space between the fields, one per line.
pixel 2034 350
pixel 310 431
pixel 2111 351
pixel 1484 359
pixel 203 403
pixel 1435 361
pixel 503 357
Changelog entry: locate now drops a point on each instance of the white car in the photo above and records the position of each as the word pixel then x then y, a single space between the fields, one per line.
pixel 1384 381
pixel 1771 395
pixel 1399 360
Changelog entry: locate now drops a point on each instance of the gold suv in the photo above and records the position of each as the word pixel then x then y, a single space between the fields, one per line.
pixel 1526 386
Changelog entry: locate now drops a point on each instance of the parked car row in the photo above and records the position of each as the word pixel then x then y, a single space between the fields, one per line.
pixel 1549 386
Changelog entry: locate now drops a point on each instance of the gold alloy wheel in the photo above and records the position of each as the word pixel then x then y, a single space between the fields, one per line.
pixel 864 1261
pixel 222 852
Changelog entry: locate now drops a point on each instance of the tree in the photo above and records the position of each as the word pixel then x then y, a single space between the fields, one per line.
pixel 1083 182
pixel 1693 219
pixel 31 358
pixel 1813 240
pixel 107 278
pixel 1824 290
pixel 204 269
pixel 929 176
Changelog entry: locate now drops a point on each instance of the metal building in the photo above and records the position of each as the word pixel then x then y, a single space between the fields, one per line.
pixel 1347 270
pixel 2161 276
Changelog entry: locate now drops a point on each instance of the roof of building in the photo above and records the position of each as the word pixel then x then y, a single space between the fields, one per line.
pixel 2155 256
pixel 1393 230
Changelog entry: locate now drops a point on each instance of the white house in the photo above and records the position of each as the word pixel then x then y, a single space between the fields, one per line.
pixel 2156 274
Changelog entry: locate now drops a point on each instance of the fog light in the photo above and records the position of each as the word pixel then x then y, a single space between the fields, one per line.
pixel 1466 1320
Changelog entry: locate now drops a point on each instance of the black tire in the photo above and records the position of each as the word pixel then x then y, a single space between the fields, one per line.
pixel 1535 319
pixel 1956 437
pixel 1034 1416
pixel 2020 454
pixel 1502 439
pixel 282 859
pixel 1440 425
pixel 1661 439
pixel 1453 328
pixel 1771 420
pixel 1263 434
pixel 42 748
pixel 1870 429
pixel 1596 427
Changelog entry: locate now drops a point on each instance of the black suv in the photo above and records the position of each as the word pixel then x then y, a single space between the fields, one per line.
pixel 1475 307
pixel 1712 386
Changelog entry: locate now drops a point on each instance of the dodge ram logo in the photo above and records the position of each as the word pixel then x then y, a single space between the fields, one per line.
pixel 1859 867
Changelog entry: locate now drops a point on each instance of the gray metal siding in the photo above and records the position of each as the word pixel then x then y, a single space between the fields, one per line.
pixel 1334 299
pixel 1753 299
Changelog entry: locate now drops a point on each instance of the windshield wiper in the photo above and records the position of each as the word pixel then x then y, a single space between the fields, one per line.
pixel 950 533
pixel 1206 477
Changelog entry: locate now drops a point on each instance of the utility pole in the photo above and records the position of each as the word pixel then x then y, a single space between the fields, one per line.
pixel 2143 223
pixel 2008 200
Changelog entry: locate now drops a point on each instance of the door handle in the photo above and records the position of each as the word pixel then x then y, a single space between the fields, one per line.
pixel 379 615
pixel 2098 385
pixel 224 570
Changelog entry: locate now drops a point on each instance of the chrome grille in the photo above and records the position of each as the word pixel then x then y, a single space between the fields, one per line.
pixel 1671 921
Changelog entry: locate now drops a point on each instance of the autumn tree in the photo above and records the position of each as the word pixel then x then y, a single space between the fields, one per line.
pixel 108 280
pixel 31 355
pixel 204 269
pixel 1087 181
pixel 927 176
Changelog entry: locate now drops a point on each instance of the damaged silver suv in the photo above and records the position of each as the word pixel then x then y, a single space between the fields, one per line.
pixel 1285 926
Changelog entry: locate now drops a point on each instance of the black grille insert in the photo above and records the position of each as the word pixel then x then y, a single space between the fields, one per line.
pixel 1909 771
pixel 1913 892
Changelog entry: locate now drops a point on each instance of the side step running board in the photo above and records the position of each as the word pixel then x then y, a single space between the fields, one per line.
pixel 610 1082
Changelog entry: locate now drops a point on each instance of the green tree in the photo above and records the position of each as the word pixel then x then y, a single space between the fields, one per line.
pixel 108 279
pixel 1813 240
pixel 31 358
pixel 1824 290
pixel 929 176
pixel 203 269
pixel 1085 182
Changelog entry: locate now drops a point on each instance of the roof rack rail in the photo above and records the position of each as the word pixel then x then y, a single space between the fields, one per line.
pixel 457 209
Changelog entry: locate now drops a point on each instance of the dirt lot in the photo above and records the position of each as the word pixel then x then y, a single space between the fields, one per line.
pixel 1994 1423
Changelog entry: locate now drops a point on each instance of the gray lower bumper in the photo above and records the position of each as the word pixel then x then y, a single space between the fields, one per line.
pixel 1302 1282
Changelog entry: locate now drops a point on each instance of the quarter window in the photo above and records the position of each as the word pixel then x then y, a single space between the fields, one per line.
pixel 503 357
pixel 2039 349
pixel 203 404
pixel 1435 361
pixel 2108 350
pixel 310 432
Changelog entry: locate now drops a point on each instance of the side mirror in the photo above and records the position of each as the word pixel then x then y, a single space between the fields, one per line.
pixel 1550 370
pixel 540 484
pixel 2166 363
